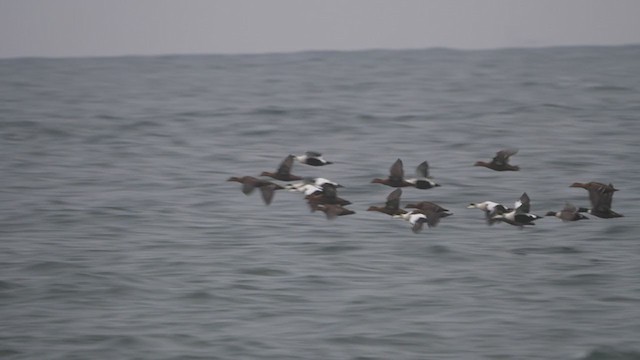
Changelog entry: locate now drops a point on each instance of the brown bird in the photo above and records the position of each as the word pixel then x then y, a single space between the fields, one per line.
pixel 392 206
pixel 600 196
pixel 396 176
pixel 333 210
pixel 428 206
pixel 249 183
pixel 568 213
pixel 500 162
pixel 284 171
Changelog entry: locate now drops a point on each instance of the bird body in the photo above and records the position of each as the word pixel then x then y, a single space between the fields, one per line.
pixel 312 158
pixel 500 161
pixel 568 213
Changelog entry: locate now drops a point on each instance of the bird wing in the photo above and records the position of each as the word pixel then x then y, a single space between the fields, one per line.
pixel 393 200
pixel 285 166
pixel 502 156
pixel 422 171
pixel 313 154
pixel 396 171
pixel 267 192
pixel 523 204
pixel 600 200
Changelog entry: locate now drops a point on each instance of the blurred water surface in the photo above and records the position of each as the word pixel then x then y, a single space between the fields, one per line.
pixel 121 238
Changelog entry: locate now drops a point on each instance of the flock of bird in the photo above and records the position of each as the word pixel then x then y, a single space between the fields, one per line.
pixel 322 194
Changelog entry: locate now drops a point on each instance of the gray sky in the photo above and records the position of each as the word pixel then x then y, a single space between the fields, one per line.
pixel 131 27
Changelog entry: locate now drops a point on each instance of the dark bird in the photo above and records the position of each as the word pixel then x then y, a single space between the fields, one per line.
pixel 249 183
pixel 422 181
pixel 600 196
pixel 430 206
pixel 392 206
pixel 396 176
pixel 520 215
pixel 312 158
pixel 500 162
pixel 568 213
pixel 333 210
pixel 284 171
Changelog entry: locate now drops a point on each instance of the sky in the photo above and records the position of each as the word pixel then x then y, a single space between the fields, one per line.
pixel 75 28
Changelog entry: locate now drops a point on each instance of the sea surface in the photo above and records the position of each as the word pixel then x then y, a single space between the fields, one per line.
pixel 121 238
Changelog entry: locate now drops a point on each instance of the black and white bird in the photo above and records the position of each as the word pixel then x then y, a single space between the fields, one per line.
pixel 490 209
pixel 520 215
pixel 312 158
pixel 417 218
pixel 422 179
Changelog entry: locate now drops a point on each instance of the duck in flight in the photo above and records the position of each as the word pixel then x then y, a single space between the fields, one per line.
pixel 500 162
pixel 568 213
pixel 417 218
pixel 520 215
pixel 249 183
pixel 600 196
pixel 490 209
pixel 312 158
pixel 392 205
pixel 284 171
pixel 423 181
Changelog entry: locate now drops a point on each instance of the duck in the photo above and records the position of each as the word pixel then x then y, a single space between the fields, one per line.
pixel 329 195
pixel 520 215
pixel 305 188
pixel 417 218
pixel 500 162
pixel 392 206
pixel 310 186
pixel 284 171
pixel 249 183
pixel 568 213
pixel 395 178
pixel 332 210
pixel 429 206
pixel 312 158
pixel 422 181
pixel 490 208
pixel 600 196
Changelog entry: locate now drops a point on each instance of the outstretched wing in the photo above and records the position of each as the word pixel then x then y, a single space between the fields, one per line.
pixel 523 204
pixel 396 172
pixel 502 156
pixel 285 166
pixel 422 171
pixel 393 200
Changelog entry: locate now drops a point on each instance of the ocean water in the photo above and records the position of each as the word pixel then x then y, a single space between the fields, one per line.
pixel 120 237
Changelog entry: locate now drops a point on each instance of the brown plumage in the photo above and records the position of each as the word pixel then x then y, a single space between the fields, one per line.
pixel 284 171
pixel 249 183
pixel 333 210
pixel 500 162
pixel 600 196
pixel 395 178
pixel 392 206
pixel 430 207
